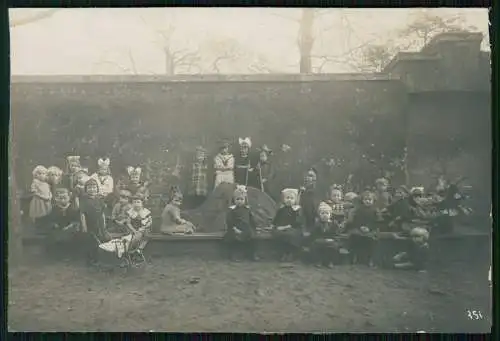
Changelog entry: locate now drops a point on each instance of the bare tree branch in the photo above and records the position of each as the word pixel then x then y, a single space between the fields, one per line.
pixel 33 18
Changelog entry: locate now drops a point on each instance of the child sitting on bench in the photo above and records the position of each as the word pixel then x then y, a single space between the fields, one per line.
pixel 241 229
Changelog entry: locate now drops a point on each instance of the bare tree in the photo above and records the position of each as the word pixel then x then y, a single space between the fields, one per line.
pixel 33 18
pixel 424 25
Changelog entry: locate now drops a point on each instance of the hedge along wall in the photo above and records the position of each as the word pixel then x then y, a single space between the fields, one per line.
pixel 354 119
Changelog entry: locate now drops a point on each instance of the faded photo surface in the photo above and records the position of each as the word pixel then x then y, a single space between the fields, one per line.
pixel 250 170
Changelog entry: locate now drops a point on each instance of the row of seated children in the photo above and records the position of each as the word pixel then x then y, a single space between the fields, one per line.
pixel 328 241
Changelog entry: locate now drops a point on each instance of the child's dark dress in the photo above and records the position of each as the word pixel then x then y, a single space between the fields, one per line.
pixel 361 245
pixel 290 239
pixel 240 217
pixel 309 204
pixel 264 170
pixel 93 211
pixel 59 219
pixel 242 173
pixel 325 242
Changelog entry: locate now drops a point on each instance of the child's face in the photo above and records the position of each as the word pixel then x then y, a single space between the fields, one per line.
pixel 381 187
pixel 62 198
pixel 42 175
pixel 418 239
pixel 92 189
pixel 137 204
pixel 289 199
pixel 239 200
pixel 200 156
pixel 80 179
pixel 177 201
pixel 225 150
pixel 336 196
pixel 324 216
pixel 263 156
pixel 124 198
pixel 310 178
pixel 74 167
pixel 102 171
pixel 400 194
pixel 135 178
pixel 368 201
pixel 244 149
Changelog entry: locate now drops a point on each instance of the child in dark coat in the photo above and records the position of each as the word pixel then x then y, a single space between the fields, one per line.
pixel 362 226
pixel 241 227
pixel 288 224
pixel 309 199
pixel 63 222
pixel 325 242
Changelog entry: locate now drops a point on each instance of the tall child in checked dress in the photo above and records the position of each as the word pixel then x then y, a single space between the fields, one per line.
pixel 198 188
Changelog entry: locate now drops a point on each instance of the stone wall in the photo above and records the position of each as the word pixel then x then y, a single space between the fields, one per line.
pixel 436 102
pixel 162 119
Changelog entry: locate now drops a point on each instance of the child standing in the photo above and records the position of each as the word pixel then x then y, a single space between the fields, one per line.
pixel 73 165
pixel 324 237
pixel 171 220
pixel 362 225
pixel 224 166
pixel 81 177
pixel 382 196
pixel 287 225
pixel 241 227
pixel 103 176
pixel 198 188
pixel 54 178
pixel 135 184
pixel 308 199
pixel 119 214
pixel 40 205
pixel 93 221
pixel 264 170
pixel 244 166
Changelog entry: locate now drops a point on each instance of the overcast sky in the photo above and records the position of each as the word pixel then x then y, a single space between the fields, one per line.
pixel 108 41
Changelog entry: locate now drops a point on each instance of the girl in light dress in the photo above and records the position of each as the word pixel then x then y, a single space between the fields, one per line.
pixel 41 202
pixel 224 166
pixel 106 184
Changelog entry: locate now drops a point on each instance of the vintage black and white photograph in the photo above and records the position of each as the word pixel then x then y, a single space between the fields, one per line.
pixel 262 170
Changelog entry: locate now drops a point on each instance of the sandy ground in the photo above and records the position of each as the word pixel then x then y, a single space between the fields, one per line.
pixel 215 295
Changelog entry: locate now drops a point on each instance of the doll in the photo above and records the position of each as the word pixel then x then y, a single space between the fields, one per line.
pixel 40 205
pixel 244 165
pixel 241 227
pixel 54 178
pixel 198 188
pixel 224 166
pixel 106 184
pixel 324 238
pixel 171 220
pixel 264 169
pixel 288 224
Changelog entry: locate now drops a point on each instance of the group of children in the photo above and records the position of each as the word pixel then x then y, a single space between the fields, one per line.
pixel 328 229
pixel 340 228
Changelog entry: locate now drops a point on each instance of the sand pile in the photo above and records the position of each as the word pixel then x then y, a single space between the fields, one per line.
pixel 210 216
